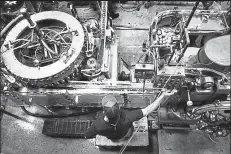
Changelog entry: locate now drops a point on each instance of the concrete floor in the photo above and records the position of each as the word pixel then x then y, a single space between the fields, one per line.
pixel 19 137
pixel 22 138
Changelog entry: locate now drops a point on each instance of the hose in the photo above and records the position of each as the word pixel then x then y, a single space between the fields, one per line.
pixel 6 28
pixel 58 116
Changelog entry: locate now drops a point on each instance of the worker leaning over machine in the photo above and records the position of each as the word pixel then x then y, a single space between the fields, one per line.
pixel 117 124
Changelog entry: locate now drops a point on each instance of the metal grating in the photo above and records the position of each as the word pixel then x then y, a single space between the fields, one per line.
pixel 65 127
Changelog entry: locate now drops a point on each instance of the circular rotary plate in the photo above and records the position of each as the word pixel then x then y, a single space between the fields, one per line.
pixel 52 73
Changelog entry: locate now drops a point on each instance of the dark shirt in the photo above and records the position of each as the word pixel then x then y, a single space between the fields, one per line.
pixel 101 127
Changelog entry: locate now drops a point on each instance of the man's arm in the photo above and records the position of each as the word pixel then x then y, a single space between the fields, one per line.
pixel 140 113
pixel 91 132
pixel 153 106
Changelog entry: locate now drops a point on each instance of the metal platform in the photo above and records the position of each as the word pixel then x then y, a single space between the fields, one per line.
pixel 191 142
pixel 66 127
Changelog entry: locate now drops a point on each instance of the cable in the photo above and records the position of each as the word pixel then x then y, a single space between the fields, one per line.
pixel 26 56
pixel 61 39
pixel 57 34
pixel 211 138
pixel 31 35
pixel 58 116
pixel 125 146
pixel 28 41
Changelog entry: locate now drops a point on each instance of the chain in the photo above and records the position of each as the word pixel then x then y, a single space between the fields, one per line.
pixel 55 79
pixel 103 22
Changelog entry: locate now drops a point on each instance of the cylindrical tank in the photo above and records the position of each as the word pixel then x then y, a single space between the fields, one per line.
pixel 215 54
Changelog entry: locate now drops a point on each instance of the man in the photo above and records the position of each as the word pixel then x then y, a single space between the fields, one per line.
pixel 117 124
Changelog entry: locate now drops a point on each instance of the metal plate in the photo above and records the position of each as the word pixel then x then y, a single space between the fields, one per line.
pixel 65 127
pixel 190 142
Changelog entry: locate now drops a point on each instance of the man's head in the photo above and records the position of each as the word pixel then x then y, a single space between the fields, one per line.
pixel 110 107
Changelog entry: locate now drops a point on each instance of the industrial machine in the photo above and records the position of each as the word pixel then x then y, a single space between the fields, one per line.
pixel 51 59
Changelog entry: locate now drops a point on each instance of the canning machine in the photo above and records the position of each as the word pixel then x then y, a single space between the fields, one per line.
pixel 52 59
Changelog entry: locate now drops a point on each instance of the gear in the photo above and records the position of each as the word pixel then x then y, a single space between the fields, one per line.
pixel 53 71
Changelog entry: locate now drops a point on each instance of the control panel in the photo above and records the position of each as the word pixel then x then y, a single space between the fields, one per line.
pixel 170 78
pixel 142 71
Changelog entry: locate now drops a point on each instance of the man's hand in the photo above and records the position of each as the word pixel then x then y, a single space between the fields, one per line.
pixel 168 93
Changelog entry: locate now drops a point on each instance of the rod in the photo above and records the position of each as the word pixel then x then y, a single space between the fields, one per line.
pixel 183 31
pixel 191 14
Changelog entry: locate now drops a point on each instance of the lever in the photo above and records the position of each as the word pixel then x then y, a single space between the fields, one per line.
pixel 189 102
pixel 33 25
pixel 31 22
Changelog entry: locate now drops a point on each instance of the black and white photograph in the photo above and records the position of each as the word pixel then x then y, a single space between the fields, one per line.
pixel 115 77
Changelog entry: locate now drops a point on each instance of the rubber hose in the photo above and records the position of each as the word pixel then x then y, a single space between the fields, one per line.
pixel 58 116
pixel 6 28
